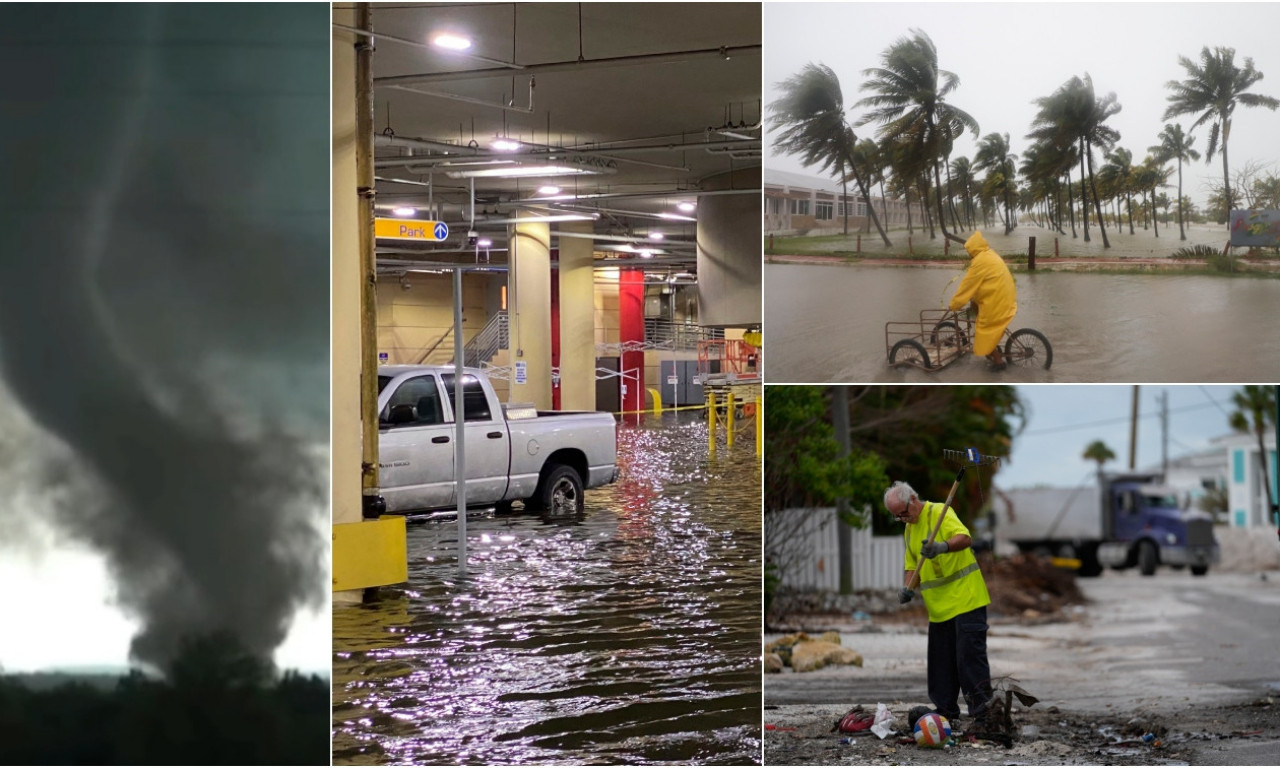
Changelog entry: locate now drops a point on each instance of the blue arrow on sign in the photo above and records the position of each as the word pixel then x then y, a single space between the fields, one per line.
pixel 442 231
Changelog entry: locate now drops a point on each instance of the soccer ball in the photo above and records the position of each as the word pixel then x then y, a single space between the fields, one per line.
pixel 932 730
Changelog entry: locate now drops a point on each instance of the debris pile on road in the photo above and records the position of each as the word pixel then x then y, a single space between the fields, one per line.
pixel 805 654
pixel 1029 587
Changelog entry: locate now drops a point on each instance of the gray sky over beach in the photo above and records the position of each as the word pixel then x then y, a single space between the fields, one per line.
pixel 1063 420
pixel 1008 54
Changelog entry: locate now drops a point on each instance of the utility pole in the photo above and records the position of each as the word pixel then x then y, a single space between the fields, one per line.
pixel 844 532
pixel 1164 433
pixel 1133 429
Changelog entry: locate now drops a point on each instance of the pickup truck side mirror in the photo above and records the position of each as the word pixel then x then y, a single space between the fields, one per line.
pixel 401 414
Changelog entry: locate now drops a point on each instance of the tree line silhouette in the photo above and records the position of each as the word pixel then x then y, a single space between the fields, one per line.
pixel 216 704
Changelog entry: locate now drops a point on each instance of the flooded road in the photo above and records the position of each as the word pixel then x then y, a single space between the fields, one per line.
pixel 631 636
pixel 826 324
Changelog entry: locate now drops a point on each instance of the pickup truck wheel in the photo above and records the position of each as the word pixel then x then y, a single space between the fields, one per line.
pixel 1147 558
pixel 560 494
pixel 1199 570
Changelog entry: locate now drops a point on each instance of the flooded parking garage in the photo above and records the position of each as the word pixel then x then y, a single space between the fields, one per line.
pixel 826 324
pixel 628 636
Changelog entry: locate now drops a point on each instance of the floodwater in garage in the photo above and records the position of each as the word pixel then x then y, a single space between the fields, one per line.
pixel 630 636
pixel 826 324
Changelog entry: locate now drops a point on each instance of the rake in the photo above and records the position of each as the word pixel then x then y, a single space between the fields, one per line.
pixel 966 458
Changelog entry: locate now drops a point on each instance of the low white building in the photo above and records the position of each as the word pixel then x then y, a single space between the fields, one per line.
pixel 1232 464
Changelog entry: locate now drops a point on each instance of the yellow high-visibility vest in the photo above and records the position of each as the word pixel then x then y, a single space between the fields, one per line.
pixel 951 583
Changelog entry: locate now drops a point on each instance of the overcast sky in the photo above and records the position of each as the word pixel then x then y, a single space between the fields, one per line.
pixel 1008 54
pixel 1064 419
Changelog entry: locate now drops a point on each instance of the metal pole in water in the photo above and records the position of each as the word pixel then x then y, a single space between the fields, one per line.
pixel 459 422
pixel 711 420
pixel 729 426
pixel 1031 253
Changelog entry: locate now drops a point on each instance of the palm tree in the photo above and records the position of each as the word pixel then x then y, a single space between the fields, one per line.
pixel 1119 171
pixel 1147 177
pixel 1256 412
pixel 1212 89
pixel 810 115
pixel 995 157
pixel 909 101
pixel 1099 452
pixel 1176 144
pixel 1074 114
pixel 962 173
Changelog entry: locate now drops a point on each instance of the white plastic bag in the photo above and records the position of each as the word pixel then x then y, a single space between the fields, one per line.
pixel 884 722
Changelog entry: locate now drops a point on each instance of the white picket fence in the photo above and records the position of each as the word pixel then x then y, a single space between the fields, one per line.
pixel 803 544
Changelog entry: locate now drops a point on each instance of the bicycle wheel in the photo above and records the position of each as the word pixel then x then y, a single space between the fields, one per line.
pixel 949 334
pixel 1028 347
pixel 909 352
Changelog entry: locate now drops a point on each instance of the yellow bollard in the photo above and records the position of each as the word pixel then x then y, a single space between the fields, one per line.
pixel 729 424
pixel 711 421
pixel 759 425
pixel 657 400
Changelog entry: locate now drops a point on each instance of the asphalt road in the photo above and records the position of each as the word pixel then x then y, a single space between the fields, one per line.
pixel 1169 645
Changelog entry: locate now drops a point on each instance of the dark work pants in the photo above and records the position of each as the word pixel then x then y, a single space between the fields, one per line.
pixel 958 662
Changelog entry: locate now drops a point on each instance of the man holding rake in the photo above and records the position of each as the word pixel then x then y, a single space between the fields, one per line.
pixel 955 594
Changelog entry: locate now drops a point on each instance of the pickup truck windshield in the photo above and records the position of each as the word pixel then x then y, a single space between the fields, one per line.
pixel 477 405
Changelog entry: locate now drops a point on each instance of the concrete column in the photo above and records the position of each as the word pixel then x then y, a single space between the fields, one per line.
pixel 345 284
pixel 577 321
pixel 631 328
pixel 729 259
pixel 529 297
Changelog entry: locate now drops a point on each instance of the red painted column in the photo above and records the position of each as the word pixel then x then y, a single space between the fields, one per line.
pixel 631 328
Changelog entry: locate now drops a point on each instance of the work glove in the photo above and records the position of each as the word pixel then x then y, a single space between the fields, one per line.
pixel 905 595
pixel 932 549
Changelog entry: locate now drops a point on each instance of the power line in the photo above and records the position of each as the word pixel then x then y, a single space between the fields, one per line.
pixel 1116 420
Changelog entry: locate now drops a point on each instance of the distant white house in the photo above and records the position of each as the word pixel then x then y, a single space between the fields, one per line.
pixel 797 204
pixel 1232 464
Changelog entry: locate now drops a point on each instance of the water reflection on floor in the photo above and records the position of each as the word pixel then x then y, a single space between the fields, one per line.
pixel 826 324
pixel 631 636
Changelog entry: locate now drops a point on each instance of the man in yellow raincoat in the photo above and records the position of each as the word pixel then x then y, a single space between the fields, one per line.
pixel 989 285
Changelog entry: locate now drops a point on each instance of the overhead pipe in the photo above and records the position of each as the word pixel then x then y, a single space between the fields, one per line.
pixel 573 65
pixel 510 106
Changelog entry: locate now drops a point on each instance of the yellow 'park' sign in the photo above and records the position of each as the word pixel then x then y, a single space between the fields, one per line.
pixel 410 229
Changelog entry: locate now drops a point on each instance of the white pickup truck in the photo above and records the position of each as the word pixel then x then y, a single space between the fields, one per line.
pixel 514 453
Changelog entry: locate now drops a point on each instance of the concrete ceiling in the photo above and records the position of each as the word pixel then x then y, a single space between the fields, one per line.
pixel 659 96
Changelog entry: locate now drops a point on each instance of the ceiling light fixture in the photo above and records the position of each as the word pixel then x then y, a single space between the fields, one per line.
pixel 484 242
pixel 687 207
pixel 656 235
pixel 548 190
pixel 675 217
pixel 451 41
pixel 504 145
pixel 515 171
pixel 405 211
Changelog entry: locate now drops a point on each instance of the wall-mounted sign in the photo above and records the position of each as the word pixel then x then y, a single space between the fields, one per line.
pixel 410 229
pixel 522 372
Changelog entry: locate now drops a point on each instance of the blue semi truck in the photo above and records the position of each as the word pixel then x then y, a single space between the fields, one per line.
pixel 1122 521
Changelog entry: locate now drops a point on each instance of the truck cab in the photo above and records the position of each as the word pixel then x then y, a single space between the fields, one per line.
pixel 1145 526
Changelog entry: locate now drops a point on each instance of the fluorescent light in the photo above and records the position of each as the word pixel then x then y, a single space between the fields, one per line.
pixel 485 243
pixel 687 207
pixel 548 190
pixel 675 217
pixel 504 145
pixel 656 235
pixel 405 211
pixel 560 217
pixel 513 171
pixel 451 41
pixel 646 254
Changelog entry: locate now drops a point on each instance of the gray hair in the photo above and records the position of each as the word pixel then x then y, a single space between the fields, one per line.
pixel 901 491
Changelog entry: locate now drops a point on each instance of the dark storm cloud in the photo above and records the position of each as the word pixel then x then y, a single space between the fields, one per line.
pixel 164 297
